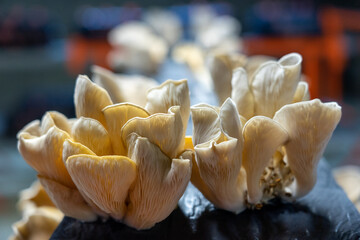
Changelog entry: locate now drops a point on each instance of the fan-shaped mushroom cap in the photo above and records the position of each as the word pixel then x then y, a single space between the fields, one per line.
pixel 274 84
pixel 254 62
pixel 39 225
pixel 37 128
pixel 105 180
pixel 123 88
pixel 116 116
pixel 68 200
pixel 44 154
pixel 33 197
pixel 241 93
pixel 218 146
pixel 90 99
pixel 310 125
pixel 163 129
pixel 53 118
pixel 141 48
pixel 262 136
pixel 160 183
pixel 168 94
pixel 90 133
pixel 221 73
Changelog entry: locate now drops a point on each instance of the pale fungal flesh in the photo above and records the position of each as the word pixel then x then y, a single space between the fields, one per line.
pixel 160 182
pixel 136 47
pixel 39 225
pixel 310 125
pixel 40 217
pixel 269 158
pixel 280 144
pixel 69 201
pixel 123 88
pixel 262 136
pixel 133 162
pixel 93 166
pixel 218 143
pixel 105 180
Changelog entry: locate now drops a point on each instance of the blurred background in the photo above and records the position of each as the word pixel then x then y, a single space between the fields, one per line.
pixel 44 45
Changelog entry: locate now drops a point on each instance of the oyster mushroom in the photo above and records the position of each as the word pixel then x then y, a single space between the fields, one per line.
pixel 123 88
pixel 218 144
pixel 40 224
pixel 39 215
pixel 221 67
pixel 44 154
pixel 33 197
pixel 68 200
pixel 262 137
pixel 274 84
pixel 90 99
pixel 237 167
pixel 136 47
pixel 241 93
pixel 160 183
pixel 93 168
pixel 310 125
pixel 105 180
pixel 283 137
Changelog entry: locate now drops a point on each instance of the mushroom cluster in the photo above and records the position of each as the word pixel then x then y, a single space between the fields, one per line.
pixel 39 215
pixel 132 163
pixel 263 142
pixel 113 160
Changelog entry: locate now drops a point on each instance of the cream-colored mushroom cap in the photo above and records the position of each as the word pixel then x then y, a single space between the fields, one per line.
pixel 262 137
pixel 310 125
pixel 123 88
pixel 218 145
pixel 159 184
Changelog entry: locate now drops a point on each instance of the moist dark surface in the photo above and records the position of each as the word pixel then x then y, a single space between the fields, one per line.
pixel 325 213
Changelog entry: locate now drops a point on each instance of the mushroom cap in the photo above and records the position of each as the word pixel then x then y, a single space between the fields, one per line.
pixel 218 145
pixel 90 99
pixel 262 137
pixel 159 184
pixel 310 125
pixel 123 88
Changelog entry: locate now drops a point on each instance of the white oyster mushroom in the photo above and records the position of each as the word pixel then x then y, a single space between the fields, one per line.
pixel 160 183
pixel 221 69
pixel 170 93
pixel 39 225
pixel 218 145
pixel 105 180
pixel 310 125
pixel 274 84
pixel 168 127
pixel 123 88
pixel 90 99
pixel 70 201
pixel 237 167
pixel 258 84
pixel 91 166
pixel 33 197
pixel 136 47
pixel 166 23
pixel 262 137
pixel 254 62
pixel 241 93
